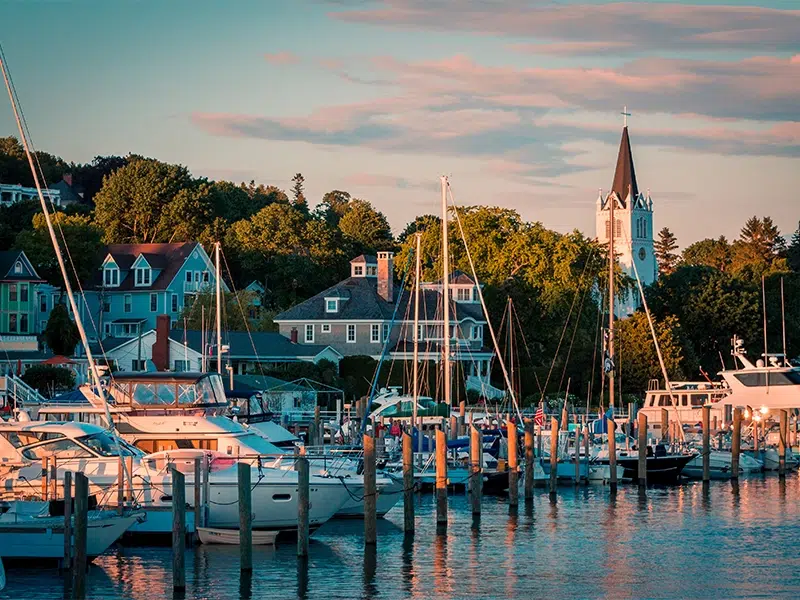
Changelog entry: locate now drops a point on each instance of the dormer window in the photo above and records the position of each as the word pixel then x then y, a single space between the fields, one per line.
pixel 464 294
pixel 142 276
pixel 358 270
pixel 18 268
pixel 331 305
pixel 110 276
pixel 372 271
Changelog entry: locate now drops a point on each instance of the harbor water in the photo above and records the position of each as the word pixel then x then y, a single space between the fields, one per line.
pixel 673 542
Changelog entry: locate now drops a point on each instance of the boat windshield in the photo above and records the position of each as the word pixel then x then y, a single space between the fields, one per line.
pixel 252 443
pixel 104 445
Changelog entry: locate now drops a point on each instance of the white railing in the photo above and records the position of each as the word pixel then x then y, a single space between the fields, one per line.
pixel 21 392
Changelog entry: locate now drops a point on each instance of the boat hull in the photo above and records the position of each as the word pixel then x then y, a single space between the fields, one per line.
pixel 660 469
pixel 231 536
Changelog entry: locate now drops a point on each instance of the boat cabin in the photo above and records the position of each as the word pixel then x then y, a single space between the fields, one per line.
pixel 684 402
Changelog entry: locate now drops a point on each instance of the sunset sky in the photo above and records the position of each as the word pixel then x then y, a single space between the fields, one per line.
pixel 518 101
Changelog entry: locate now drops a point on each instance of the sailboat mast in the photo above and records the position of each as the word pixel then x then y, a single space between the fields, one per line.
pixel 445 295
pixel 219 310
pixel 416 329
pixel 611 261
pixel 783 326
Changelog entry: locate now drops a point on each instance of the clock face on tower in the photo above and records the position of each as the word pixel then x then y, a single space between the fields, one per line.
pixel 642 254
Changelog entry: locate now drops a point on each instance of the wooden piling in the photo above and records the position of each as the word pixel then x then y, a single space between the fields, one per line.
pixel 553 455
pixel 178 529
pixel 67 560
pixel 462 417
pixel 408 484
pixel 642 427
pixel 707 443
pixel 612 455
pixel 782 436
pixel 198 487
pixel 586 450
pixel 319 433
pixel 370 492
pixel 513 465
pixel 453 427
pixel 121 485
pixel 441 478
pixel 577 456
pixel 755 435
pixel 736 442
pixel 665 437
pixel 206 491
pixel 245 517
pixel 475 471
pixel 528 461
pixel 81 523
pixel 45 477
pixel 302 505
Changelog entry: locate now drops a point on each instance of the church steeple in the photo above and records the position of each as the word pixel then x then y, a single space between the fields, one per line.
pixel 625 174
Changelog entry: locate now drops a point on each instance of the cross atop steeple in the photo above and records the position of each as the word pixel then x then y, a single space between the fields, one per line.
pixel 625 114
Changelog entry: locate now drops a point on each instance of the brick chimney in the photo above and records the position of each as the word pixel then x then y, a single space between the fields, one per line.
pixel 386 276
pixel 293 335
pixel 161 347
pixel 68 179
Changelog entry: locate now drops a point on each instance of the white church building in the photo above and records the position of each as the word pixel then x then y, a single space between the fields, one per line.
pixel 633 227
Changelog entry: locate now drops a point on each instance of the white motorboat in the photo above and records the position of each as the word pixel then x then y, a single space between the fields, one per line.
pixel 27 531
pixel 231 536
pixel 720 465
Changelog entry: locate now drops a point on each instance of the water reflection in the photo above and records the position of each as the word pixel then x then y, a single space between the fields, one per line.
pixel 302 577
pixel 246 583
pixel 407 570
pixel 370 566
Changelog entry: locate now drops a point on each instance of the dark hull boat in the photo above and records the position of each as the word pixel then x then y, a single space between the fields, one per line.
pixel 660 469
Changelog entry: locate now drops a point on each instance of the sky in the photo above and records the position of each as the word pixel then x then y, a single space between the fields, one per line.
pixel 517 101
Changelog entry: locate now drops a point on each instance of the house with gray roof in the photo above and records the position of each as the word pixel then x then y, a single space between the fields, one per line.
pixel 355 317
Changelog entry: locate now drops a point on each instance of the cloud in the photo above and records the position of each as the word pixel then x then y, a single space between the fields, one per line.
pixel 360 180
pixel 282 58
pixel 600 27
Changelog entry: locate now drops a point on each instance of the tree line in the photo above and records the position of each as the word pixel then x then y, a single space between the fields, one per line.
pixel 704 294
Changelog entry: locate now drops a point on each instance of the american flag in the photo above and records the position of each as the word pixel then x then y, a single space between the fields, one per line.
pixel 538 418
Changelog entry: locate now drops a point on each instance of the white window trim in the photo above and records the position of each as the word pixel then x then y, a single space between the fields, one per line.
pixel 420 332
pixel 309 329
pixel 351 327
pixel 326 328
pixel 385 332
pixel 358 270
pixel 174 304
pixel 142 276
pixel 335 305
pixel 375 333
pixel 153 295
pixel 127 301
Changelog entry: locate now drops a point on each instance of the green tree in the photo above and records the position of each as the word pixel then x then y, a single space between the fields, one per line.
pixel 793 251
pixel 333 207
pixel 235 311
pixel 709 253
pixel 15 169
pixel 133 206
pixel 298 193
pixel 91 175
pixel 81 237
pixel 15 218
pixel 665 248
pixel 367 228
pixel 61 334
pixel 49 380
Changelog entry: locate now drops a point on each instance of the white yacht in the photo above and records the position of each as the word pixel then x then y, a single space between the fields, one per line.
pixel 684 402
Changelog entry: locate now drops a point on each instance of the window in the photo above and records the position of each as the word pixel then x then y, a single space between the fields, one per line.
pixel 12 292
pixel 326 328
pixel 206 277
pixel 63 449
pixel 18 268
pixel 358 270
pixel 153 302
pixel 351 334
pixel 309 333
pixel 174 305
pixel 385 332
pixel 463 294
pixel 23 292
pixel 142 276
pixel 107 329
pixel 42 303
pixel 23 323
pixel 181 365
pixel 106 306
pixel 111 276
pixel 372 271
pixel 477 332
pixel 420 332
pixel 128 301
pixel 12 323
pixel 331 305
pixel 138 365
pixel 375 333
pixel 188 277
pixel 617 229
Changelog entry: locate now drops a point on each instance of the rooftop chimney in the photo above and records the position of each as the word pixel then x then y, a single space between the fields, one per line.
pixel 293 335
pixel 386 276
pixel 68 179
pixel 161 346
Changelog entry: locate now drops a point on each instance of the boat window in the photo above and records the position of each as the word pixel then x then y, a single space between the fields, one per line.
pixel 25 438
pixel 760 379
pixel 210 390
pixel 104 445
pixel 150 446
pixel 699 399
pixel 664 400
pixel 187 393
pixel 145 394
pixel 254 406
pixel 166 393
pixel 61 449
pixel 684 400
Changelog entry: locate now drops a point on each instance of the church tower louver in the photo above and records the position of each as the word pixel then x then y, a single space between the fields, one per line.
pixel 633 227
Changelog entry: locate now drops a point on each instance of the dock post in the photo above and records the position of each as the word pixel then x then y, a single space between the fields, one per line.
pixel 475 474
pixel 665 437
pixel 513 465
pixel 755 435
pixel 736 442
pixel 642 427
pixel 245 518
pixel 178 529
pixel 528 461
pixel 370 492
pixel 782 435
pixel 706 443
pixel 586 448
pixel 612 454
pixel 206 490
pixel 320 435
pixel 53 479
pixel 631 424
pixel 419 439
pixel 553 456
pixel 408 484
pixel 45 477
pixel 198 483
pixel 81 523
pixel 121 485
pixel 462 417
pixel 67 561
pixel 578 456
pixel 302 506
pixel 441 479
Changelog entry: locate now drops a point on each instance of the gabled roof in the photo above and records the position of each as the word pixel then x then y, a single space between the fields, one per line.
pixel 168 258
pixel 8 259
pixel 625 174
pixel 365 258
pixel 457 277
pixel 263 344
pixel 365 304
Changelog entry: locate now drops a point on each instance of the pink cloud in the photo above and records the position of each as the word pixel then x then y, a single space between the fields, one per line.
pixel 282 58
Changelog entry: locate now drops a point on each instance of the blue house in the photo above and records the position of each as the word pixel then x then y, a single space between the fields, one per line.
pixel 138 282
